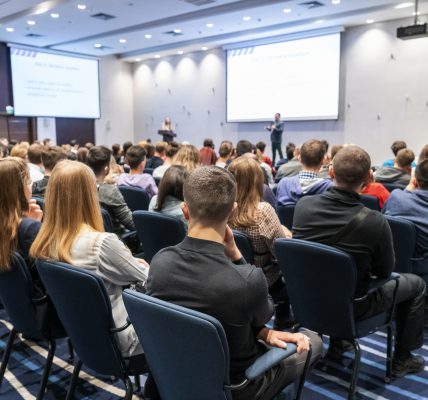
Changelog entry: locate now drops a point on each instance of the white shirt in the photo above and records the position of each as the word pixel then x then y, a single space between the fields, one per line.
pixel 36 173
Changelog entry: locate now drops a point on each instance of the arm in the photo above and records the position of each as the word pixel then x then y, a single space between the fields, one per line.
pixel 383 257
pixel 280 339
pixel 119 209
pixel 270 226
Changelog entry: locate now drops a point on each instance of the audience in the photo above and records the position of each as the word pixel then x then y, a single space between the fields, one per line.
pixel 400 174
pixel 170 153
pixel 35 164
pixel 207 273
pixel 260 147
pixel 293 166
pixel 125 148
pixel 170 196
pixel 267 169
pixel 225 154
pixel 115 149
pixel 423 154
pixel 307 182
pixel 136 159
pixel 78 238
pixel 158 158
pixel 396 147
pixel 115 171
pixel 188 156
pixel 208 156
pixel 20 151
pixel 370 244
pixel 82 153
pixel 244 147
pixel 375 189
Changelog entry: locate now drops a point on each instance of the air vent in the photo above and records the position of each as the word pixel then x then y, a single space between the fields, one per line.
pixel 103 17
pixel 199 2
pixel 173 33
pixel 312 4
pixel 33 35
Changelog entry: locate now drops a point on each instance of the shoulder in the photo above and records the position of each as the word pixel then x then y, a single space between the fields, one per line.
pixel 29 226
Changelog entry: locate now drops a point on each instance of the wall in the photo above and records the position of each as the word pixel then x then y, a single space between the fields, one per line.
pixel 384 95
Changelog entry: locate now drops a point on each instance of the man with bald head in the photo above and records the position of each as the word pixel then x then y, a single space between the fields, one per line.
pixel 321 218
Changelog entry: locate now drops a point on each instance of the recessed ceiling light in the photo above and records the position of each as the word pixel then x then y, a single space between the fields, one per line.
pixel 246 18
pixel 319 21
pixel 287 10
pixel 177 30
pixel 370 21
pixel 31 22
pixel 55 15
pixel 180 52
pixel 204 48
pixel 335 2
pixel 122 40
pixel 81 6
pixel 210 25
pixel 10 29
pixel 416 13
pixel 404 5
pixel 41 10
pixel 148 36
pixel 138 59
pixel 98 45
pixel 157 56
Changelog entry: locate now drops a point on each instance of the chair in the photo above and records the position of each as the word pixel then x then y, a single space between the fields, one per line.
pixel 83 306
pixel 157 231
pixel 148 171
pixel 157 180
pixel 17 297
pixel 286 215
pixel 108 224
pixel 371 202
pixel 244 245
pixel 193 363
pixel 313 272
pixel 135 198
pixel 390 186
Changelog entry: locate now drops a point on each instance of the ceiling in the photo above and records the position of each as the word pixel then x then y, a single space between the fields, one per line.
pixel 142 29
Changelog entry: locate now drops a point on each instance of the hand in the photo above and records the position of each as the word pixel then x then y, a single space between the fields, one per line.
pixel 413 184
pixel 230 248
pixel 142 262
pixel 287 233
pixel 34 210
pixel 280 339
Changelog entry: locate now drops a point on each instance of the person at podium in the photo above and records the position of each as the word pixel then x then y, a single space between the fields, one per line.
pixel 167 130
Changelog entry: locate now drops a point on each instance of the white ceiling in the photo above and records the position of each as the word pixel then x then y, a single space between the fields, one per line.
pixel 74 30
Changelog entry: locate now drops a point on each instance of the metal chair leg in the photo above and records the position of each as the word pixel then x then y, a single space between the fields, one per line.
pixel 388 377
pixel 6 354
pixel 47 369
pixel 73 381
pixel 129 388
pixel 304 374
pixel 354 378
pixel 70 351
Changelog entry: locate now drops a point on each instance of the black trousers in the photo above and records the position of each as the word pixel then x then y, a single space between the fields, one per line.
pixel 276 147
pixel 409 317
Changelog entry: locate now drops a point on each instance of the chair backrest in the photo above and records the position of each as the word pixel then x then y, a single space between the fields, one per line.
pixel 135 198
pixel 157 180
pixel 404 238
pixel 157 231
pixel 148 171
pixel 84 308
pixel 286 215
pixel 16 292
pixel 391 186
pixel 108 223
pixel 371 202
pixel 321 283
pixel 244 245
pixel 186 350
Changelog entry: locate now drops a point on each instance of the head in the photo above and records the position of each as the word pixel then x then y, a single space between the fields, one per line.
pixel 249 179
pixel 51 156
pixel 136 158
pixel 71 155
pixel 277 116
pixel 98 159
pixel 35 154
pixel 244 146
pixel 188 156
pixel 226 149
pixel 421 174
pixel 82 153
pixel 312 154
pixel 160 148
pixel 150 149
pixel 171 184
pixel 125 147
pixel 404 160
pixel 351 168
pixel 209 143
pixel 20 151
pixel 289 150
pixel 15 193
pixel 397 146
pixel 171 150
pixel 167 120
pixel 334 150
pixel 261 146
pixel 209 197
pixel 46 142
pixel 115 149
pixel 74 144
pixel 89 145
pixel 72 194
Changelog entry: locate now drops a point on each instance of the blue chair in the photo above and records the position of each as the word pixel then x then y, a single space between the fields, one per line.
pixel 157 231
pixel 157 181
pixel 321 282
pixel 83 306
pixel 371 202
pixel 188 353
pixel 135 198
pixel 286 215
pixel 108 223
pixel 23 307
pixel 390 186
pixel 244 245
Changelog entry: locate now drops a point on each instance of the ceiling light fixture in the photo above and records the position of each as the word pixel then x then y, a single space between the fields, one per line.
pixel 81 6
pixel 148 36
pixel 177 30
pixel 319 21
pixel 335 2
pixel 157 56
pixel 122 40
pixel 370 21
pixel 204 48
pixel 98 45
pixel 10 29
pixel 138 59
pixel 404 5
pixel 210 25
pixel 286 10
pixel 246 18
pixel 41 10
pixel 31 22
pixel 55 15
pixel 180 52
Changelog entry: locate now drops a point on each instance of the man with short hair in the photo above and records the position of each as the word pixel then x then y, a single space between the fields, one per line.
pixel 276 128
pixel 98 159
pixel 207 268
pixel 35 164
pixel 51 156
pixel 400 174
pixel 158 158
pixel 170 152
pixel 323 218
pixel 396 147
pixel 136 159
pixel 307 182
pixel 243 147
pixel 261 146
pixel 208 155
pixel 293 166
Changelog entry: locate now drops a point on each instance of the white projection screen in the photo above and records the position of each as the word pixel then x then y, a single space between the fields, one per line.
pixel 297 78
pixel 54 85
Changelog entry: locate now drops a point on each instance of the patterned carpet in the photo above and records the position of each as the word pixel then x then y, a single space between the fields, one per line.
pixel 328 381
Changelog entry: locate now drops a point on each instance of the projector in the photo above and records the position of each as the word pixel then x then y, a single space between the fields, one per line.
pixel 413 31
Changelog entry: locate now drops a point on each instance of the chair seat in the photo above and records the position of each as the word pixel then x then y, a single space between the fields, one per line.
pixel 370 325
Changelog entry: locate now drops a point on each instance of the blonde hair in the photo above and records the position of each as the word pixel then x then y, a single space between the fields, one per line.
pixel 188 156
pixel 14 176
pixel 71 201
pixel 20 151
pixel 249 179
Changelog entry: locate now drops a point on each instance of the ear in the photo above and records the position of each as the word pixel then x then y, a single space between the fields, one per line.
pixel 331 172
pixel 143 164
pixel 415 182
pixel 185 211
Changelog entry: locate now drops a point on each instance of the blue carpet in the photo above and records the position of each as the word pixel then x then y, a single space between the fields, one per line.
pixel 329 380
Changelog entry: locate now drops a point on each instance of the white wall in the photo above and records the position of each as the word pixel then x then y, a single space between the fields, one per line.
pixel 382 98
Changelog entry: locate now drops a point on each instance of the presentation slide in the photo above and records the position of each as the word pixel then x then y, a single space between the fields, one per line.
pixel 53 85
pixel 298 78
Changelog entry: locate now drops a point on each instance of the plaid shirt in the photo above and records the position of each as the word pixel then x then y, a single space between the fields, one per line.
pixel 307 175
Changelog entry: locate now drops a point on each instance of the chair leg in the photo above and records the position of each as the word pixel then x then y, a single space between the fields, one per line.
pixel 73 381
pixel 70 351
pixel 354 378
pixel 129 388
pixel 304 374
pixel 6 354
pixel 388 377
pixel 137 384
pixel 47 369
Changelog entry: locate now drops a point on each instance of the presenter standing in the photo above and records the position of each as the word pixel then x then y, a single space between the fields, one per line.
pixel 276 129
pixel 167 130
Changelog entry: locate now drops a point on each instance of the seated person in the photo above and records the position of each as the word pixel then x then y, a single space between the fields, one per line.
pixel 396 147
pixel 325 167
pixel 412 205
pixel 259 221
pixel 375 189
pixel 111 199
pixel 261 146
pixel 136 159
pixel 266 168
pixel 399 175
pixel 170 153
pixel 225 154
pixel 293 166
pixel 170 196
pixel 158 158
pixel 307 182
pixel 423 155
pixel 72 193
pixel 188 156
pixel 35 164
pixel 208 155
pixel 207 273
pixel 50 157
pixel 321 218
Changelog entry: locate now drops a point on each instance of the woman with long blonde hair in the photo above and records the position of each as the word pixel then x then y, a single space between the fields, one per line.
pixel 73 232
pixel 259 221
pixel 188 156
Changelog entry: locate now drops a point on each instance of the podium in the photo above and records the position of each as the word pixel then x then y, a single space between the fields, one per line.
pixel 167 136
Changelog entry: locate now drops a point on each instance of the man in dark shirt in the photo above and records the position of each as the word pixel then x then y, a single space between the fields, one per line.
pixel 276 129
pixel 206 272
pixel 320 218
